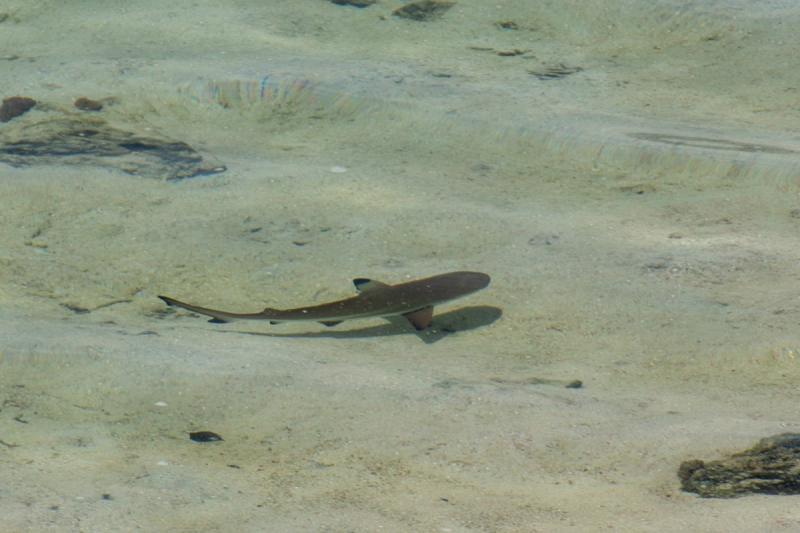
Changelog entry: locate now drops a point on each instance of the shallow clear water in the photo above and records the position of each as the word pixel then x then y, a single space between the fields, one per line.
pixel 626 173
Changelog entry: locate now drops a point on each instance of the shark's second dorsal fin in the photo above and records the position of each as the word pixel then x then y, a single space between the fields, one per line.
pixel 364 285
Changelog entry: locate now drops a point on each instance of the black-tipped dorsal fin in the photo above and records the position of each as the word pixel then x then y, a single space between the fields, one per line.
pixel 420 318
pixel 366 285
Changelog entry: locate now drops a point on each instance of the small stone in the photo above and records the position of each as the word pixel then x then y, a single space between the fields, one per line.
pixel 508 25
pixel 354 3
pixel 84 104
pixel 423 11
pixel 204 436
pixel 15 106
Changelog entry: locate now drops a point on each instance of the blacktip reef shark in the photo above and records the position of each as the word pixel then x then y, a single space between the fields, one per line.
pixel 414 300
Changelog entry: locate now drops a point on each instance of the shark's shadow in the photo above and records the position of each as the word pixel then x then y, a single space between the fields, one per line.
pixel 463 319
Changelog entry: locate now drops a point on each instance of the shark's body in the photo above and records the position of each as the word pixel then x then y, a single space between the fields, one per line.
pixel 414 300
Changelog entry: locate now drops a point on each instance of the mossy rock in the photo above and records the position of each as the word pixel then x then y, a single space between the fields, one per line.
pixel 770 467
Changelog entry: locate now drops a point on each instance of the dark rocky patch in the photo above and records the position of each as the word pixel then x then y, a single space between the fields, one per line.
pixel 354 3
pixel 555 72
pixel 15 106
pixel 204 436
pixel 84 104
pixel 770 467
pixel 424 10
pixel 508 25
pixel 91 141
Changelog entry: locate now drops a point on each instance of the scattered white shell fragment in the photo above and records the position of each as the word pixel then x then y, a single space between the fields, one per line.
pixel 338 170
pixel 161 404
pixel 162 463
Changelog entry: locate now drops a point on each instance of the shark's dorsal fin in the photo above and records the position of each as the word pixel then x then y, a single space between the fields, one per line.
pixel 420 318
pixel 364 285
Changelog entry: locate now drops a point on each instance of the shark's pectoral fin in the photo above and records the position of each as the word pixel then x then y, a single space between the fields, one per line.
pixel 330 323
pixel 420 318
pixel 365 285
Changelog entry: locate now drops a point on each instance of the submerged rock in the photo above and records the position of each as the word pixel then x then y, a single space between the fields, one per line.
pixel 770 467
pixel 15 106
pixel 423 11
pixel 93 142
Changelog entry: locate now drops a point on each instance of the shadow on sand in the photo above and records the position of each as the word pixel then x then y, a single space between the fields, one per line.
pixel 464 319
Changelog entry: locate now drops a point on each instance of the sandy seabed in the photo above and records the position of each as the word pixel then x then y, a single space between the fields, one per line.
pixel 638 217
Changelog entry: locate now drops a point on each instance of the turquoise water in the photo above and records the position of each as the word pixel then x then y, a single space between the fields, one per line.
pixel 637 215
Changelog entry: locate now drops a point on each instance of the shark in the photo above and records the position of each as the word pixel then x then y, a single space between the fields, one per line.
pixel 414 300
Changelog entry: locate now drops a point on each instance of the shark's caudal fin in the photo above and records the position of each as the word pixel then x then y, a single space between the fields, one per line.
pixel 218 317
